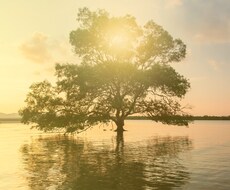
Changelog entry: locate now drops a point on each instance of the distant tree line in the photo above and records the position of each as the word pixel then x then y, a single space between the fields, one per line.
pixel 205 117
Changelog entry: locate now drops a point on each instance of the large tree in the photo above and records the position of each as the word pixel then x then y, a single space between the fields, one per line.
pixel 125 70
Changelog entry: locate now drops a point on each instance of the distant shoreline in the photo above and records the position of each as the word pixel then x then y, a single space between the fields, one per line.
pixel 10 120
pixel 211 118
pixel 191 118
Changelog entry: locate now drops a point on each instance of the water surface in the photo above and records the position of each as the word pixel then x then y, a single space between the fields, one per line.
pixel 147 156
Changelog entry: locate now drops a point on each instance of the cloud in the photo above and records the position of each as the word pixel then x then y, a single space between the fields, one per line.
pixel 36 49
pixel 37 73
pixel 207 21
pixel 214 32
pixel 198 78
pixel 42 49
pixel 215 64
pixel 173 3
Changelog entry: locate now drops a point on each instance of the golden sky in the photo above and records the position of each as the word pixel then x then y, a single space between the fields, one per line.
pixel 34 36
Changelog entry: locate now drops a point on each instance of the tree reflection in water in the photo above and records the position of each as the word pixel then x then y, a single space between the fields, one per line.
pixel 67 163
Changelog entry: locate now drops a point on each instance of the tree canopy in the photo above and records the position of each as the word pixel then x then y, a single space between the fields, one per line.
pixel 125 70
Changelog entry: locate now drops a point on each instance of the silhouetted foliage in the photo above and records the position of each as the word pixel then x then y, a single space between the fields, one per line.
pixel 124 71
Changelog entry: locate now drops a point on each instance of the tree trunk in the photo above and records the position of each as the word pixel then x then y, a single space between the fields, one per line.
pixel 120 124
pixel 120 144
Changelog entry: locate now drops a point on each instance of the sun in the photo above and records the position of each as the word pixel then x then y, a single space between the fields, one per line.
pixel 118 40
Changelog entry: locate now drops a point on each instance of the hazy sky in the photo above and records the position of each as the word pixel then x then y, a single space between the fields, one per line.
pixel 34 36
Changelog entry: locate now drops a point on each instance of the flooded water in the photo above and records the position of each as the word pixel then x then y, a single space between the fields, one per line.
pixel 148 156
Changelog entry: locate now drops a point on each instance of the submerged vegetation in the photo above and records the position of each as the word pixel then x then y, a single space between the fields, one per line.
pixel 125 70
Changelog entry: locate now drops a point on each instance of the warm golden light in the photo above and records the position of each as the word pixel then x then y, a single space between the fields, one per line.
pixel 118 40
pixel 206 44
